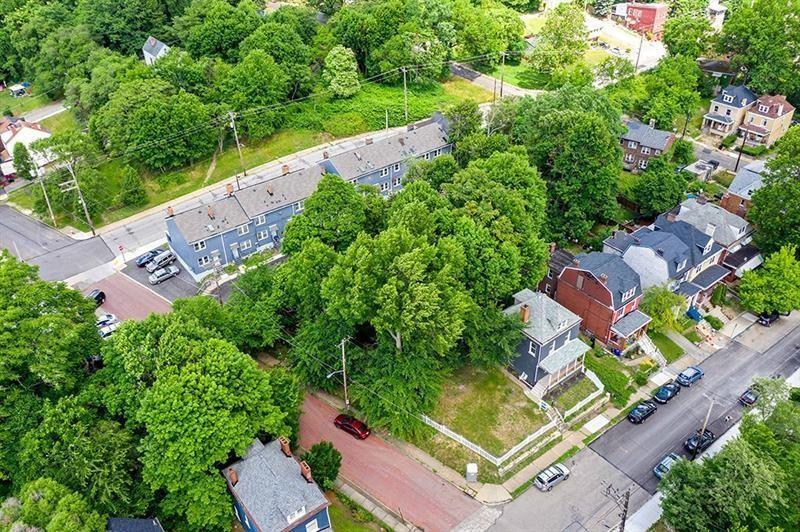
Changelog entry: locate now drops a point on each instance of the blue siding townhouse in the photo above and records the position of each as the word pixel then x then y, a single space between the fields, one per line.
pixel 273 492
pixel 254 218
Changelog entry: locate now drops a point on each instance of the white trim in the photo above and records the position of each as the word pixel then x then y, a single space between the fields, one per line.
pixel 243 229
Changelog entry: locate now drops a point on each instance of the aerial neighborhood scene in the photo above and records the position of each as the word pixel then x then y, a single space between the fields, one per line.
pixel 407 265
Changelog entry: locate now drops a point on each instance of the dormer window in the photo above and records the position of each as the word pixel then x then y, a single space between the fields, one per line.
pixel 727 98
pixel 681 264
pixel 294 516
pixel 708 247
pixel 628 294
pixel 763 108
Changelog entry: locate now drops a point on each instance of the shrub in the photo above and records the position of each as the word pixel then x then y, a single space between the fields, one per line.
pixel 729 140
pixel 640 378
pixel 324 460
pixel 794 395
pixel 718 297
pixel 715 322
pixel 754 151
pixel 616 381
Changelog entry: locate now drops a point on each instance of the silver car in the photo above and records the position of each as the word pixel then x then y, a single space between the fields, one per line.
pixel 663 467
pixel 551 476
pixel 163 274
pixel 160 260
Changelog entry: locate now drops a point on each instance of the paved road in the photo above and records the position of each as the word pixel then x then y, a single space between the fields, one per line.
pixel 182 285
pixel 45 111
pixel 395 479
pixel 636 449
pixel 58 256
pixel 490 83
pixel 727 159
pixel 129 300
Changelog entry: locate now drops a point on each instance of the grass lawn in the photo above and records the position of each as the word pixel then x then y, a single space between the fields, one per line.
pixel 695 122
pixel 348 516
pixel 627 182
pixel 724 178
pixel 64 121
pixel 23 104
pixel 615 376
pixel 668 348
pixel 693 336
pixel 595 56
pixel 576 392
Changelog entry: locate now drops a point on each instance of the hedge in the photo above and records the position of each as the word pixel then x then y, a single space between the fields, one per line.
pixel 615 380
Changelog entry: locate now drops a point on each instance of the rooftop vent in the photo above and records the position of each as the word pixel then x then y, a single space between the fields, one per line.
pixel 285 169
pixel 368 141
pixel 326 155
pixel 229 189
pixel 210 211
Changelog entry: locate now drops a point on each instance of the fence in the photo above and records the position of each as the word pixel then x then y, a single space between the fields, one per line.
pixel 591 397
pixel 497 461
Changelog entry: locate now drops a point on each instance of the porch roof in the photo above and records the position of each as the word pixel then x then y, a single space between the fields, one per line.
pixel 719 118
pixel 630 323
pixel 688 289
pixel 758 130
pixel 563 356
pixel 710 276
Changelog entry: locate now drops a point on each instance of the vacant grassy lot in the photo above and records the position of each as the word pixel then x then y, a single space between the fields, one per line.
pixel 615 376
pixel 668 348
pixel 64 121
pixel 695 121
pixel 576 392
pixel 347 516
pixel 23 104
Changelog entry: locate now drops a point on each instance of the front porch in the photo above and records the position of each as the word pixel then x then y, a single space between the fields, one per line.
pixel 717 124
pixel 754 135
pixel 698 291
pixel 557 367
pixel 628 330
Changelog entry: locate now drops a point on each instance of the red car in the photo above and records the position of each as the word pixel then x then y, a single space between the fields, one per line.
pixel 351 425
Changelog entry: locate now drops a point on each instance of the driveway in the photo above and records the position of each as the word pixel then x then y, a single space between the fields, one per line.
pixel 383 472
pixel 182 285
pixel 127 299
pixel 57 256
pixel 45 111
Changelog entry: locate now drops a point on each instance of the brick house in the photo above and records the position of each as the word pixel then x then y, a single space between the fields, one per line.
pixel 641 142
pixel 767 121
pixel 647 19
pixel 728 110
pixel 559 259
pixel 605 292
pixel 739 196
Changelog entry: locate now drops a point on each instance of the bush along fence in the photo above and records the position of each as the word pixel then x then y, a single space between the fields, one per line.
pixel 589 398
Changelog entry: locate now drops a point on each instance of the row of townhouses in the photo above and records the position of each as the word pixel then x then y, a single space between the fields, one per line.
pixel 254 218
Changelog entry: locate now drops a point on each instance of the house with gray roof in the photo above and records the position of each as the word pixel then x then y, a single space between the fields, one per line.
pixel 728 110
pixel 272 491
pixel 550 351
pixel 241 222
pixel 739 195
pixel 128 524
pixel 152 49
pixel 641 142
pixel 727 229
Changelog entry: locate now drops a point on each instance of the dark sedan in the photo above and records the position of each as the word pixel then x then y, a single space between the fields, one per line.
pixel 665 394
pixel 352 426
pixel 144 258
pixel 767 318
pixel 699 443
pixel 748 398
pixel 642 411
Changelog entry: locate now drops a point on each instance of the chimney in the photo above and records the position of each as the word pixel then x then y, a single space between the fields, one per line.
pixel 211 212
pixel 552 247
pixel 369 141
pixel 285 169
pixel 285 446
pixel 576 262
pixel 234 476
pixel 305 470
pixel 170 212
pixel 326 155
pixel 269 189
pixel 652 122
pixel 525 313
pixel 229 189
pixel 604 278
pixel 670 216
pixel 780 109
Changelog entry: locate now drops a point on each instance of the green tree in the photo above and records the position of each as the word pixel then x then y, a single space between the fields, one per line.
pixel 328 7
pixel 614 68
pixel 465 119
pixel 480 146
pixel 62 56
pixel 562 40
pixel 184 72
pixel 775 287
pixel 301 277
pixel 132 191
pixel 24 166
pixel 682 152
pixel 660 187
pixel 341 72
pixel 215 27
pixel 420 52
pixel 486 30
pixel 663 306
pixel 288 50
pixel 49 506
pixel 687 35
pixel 602 8
pixel 672 90
pixel 252 311
pixel 324 460
pixel 122 26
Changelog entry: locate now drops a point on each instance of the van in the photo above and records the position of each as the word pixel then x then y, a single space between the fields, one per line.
pixel 551 476
pixel 161 260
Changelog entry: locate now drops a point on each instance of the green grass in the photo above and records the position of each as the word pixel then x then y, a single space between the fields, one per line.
pixel 347 516
pixel 724 178
pixel 22 105
pixel 695 121
pixel 668 348
pixel 63 121
pixel 595 56
pixel 533 22
pixel 574 394
pixel 614 375
pixel 572 451
pixel 693 336
pixel 627 184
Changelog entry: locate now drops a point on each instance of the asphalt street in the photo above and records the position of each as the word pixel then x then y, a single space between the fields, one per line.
pixel 727 160
pixel 636 449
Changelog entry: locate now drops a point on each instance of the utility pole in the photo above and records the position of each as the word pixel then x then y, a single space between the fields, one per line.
pixel 639 53
pixel 502 71
pixel 73 184
pixel 46 198
pixel 703 429
pixel 387 120
pixel 741 149
pixel 405 93
pixel 621 500
pixel 625 500
pixel 344 376
pixel 217 268
pixel 238 148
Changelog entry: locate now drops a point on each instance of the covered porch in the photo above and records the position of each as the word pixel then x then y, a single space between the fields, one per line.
pixel 718 124
pixel 627 331
pixel 754 135
pixel 706 281
pixel 744 259
pixel 559 366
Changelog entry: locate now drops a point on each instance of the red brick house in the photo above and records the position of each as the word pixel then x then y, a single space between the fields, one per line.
pixel 605 292
pixel 648 19
pixel 641 142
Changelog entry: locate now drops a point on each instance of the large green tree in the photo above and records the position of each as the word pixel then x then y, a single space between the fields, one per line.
pixel 562 40
pixel 672 90
pixel 341 72
pixel 215 27
pixel 687 35
pixel 44 504
pixel 288 50
pixel 775 286
pixel 120 25
pixel 660 187
pixel 24 167
pixel 663 306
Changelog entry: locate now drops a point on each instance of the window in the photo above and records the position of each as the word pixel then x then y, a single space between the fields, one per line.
pixel 262 235
pixel 547 289
pixel 204 260
pixel 629 294
pixel 427 156
pixel 763 108
pixel 657 152
pixel 384 186
pixel 261 220
pixel 437 152
pixel 681 264
pixel 245 245
pixel 727 112
pixel 579 282
pixel 549 273
pixel 312 526
pixel 751 119
pixel 354 180
pixel 631 144
pixel 643 164
pixel 396 182
pixel 294 516
pixel 200 246
pixel 242 230
pixel 628 157
pixel 645 150
pixel 727 98
pixel 396 167
pixel 384 172
pixel 764 122
pixel 716 108
pixel 531 348
pixel 299 206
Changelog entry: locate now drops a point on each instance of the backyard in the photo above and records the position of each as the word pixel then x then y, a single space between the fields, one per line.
pixel 20 105
pixel 695 122
pixel 347 516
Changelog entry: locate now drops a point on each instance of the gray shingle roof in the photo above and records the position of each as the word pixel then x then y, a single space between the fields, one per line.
pixel 564 355
pixel 153 46
pixel 742 96
pixel 286 190
pixel 620 277
pixel 647 136
pixel 748 180
pixel 630 323
pixel 719 118
pixel 694 239
pixel 365 159
pixel 271 488
pixel 126 524
pixel 668 246
pixel 710 276
pixel 723 226
pixel 198 224
pixel 547 318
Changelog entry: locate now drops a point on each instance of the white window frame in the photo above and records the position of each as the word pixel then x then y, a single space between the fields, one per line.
pixel 312 526
pixel 727 98
pixel 549 273
pixel 299 206
pixel 261 219
pixel 631 144
pixel 262 235
pixel 244 245
pixel 205 260
pixel 629 294
pixel 396 181
pixel 645 150
pixel 643 164
pixel 727 112
pixel 763 108
pixel 384 186
pixel 384 172
pixel 716 108
pixel 199 246
pixel 547 289
pixel 682 265
pixel 629 158
pixel 396 167
pixel 657 152
pixel 427 156
pixel 242 229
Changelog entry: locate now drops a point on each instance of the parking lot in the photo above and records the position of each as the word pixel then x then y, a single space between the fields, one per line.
pixel 127 299
pixel 182 285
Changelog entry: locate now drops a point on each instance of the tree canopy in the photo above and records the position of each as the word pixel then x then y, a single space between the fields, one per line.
pixel 775 287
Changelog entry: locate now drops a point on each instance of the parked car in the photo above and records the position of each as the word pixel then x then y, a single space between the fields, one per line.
pixel 106 319
pixel 642 411
pixel 98 296
pixel 698 443
pixel 144 258
pixel 159 261
pixel 768 318
pixel 108 330
pixel 665 394
pixel 353 426
pixel 662 468
pixel 162 274
pixel 748 398
pixel 689 376
pixel 555 474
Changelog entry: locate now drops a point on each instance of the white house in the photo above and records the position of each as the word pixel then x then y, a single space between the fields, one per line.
pixel 153 49
pixel 14 131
